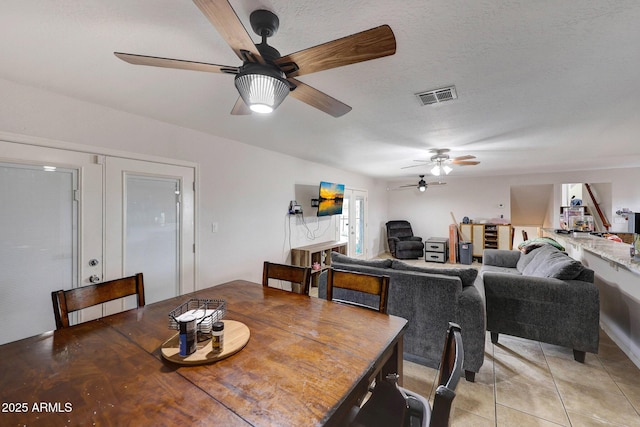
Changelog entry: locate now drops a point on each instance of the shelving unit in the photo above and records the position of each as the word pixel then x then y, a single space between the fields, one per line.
pixel 306 256
pixel 487 236
pixel 491 236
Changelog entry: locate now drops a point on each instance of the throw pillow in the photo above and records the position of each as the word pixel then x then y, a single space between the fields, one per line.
pixel 466 275
pixel 559 266
pixel 379 263
pixel 535 258
pixel 531 244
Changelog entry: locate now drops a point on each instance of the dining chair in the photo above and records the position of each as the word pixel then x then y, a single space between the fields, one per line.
pixel 300 276
pixel 359 282
pixel 385 408
pixel 65 302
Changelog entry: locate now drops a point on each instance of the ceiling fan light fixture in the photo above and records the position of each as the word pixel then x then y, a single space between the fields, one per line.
pixel 263 89
pixel 422 184
pixel 440 168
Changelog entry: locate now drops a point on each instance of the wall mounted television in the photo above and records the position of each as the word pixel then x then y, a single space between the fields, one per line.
pixel 331 197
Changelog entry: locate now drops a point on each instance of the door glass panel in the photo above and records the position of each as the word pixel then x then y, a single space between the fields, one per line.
pixel 359 225
pixel 38 247
pixel 152 234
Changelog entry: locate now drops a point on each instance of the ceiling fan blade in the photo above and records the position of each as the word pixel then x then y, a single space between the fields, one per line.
pixel 437 183
pixel 370 44
pixel 467 157
pixel 155 61
pixel 240 108
pixel 412 166
pixel 465 163
pixel 317 99
pixel 224 18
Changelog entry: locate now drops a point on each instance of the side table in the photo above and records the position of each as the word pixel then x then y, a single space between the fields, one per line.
pixel 436 249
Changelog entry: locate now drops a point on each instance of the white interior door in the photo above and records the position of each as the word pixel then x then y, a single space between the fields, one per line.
pixel 48 199
pixel 353 224
pixel 58 207
pixel 150 211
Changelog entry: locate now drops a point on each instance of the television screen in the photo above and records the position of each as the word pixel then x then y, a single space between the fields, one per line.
pixel 331 196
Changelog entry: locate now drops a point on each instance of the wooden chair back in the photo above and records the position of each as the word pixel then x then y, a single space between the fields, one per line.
pixel 448 378
pixel 65 302
pixel 360 282
pixel 391 405
pixel 290 273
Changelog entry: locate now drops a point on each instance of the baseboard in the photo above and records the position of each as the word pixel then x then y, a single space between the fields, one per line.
pixel 621 340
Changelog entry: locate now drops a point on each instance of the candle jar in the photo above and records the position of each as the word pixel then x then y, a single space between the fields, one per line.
pixel 217 337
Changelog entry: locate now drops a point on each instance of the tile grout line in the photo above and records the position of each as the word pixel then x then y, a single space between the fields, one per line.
pixel 604 366
pixel 555 384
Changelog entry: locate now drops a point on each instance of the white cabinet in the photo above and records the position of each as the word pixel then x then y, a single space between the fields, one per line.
pixel 487 236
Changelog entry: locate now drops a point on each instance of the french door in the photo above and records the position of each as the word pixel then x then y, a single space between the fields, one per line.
pixel 69 219
pixel 353 224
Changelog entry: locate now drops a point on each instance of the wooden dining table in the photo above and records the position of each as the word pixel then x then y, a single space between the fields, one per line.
pixel 307 362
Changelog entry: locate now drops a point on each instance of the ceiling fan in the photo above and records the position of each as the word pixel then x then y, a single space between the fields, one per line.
pixel 265 77
pixel 441 161
pixel 421 186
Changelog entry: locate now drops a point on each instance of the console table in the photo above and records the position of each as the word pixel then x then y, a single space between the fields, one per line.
pixel 306 256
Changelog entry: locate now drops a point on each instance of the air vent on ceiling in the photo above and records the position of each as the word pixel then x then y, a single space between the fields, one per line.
pixel 437 95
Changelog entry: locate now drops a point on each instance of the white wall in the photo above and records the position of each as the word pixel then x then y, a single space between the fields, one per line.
pixel 479 198
pixel 246 190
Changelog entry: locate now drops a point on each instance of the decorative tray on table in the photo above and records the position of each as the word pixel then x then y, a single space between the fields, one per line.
pixel 207 312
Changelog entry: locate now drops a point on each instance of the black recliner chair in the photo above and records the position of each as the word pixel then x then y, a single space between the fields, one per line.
pixel 402 243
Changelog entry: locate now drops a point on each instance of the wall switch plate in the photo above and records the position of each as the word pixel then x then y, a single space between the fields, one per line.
pixel 214 227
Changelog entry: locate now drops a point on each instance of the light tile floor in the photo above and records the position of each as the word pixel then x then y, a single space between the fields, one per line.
pixel 528 383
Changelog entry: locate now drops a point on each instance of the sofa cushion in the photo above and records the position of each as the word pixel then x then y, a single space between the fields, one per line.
pixel 553 264
pixel 379 263
pixel 466 275
pixel 498 269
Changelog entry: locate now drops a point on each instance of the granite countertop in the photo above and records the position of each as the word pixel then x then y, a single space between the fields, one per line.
pixel 607 249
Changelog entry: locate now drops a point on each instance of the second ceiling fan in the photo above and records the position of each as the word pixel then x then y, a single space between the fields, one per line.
pixel 422 184
pixel 265 77
pixel 441 161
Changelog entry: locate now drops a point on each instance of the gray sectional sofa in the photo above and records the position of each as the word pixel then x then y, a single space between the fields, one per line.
pixel 543 295
pixel 429 298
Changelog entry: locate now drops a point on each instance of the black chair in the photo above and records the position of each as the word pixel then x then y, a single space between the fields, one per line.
pixel 300 277
pixel 65 302
pixel 390 405
pixel 402 243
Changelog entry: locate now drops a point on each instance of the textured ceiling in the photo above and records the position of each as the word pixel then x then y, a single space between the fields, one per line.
pixel 542 86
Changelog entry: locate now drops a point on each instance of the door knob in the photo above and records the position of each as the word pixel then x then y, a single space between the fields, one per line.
pixel 94 279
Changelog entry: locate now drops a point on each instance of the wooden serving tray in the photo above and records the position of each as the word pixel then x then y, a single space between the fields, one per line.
pixel 236 336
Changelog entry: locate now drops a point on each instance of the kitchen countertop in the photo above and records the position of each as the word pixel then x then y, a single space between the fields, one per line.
pixel 607 249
